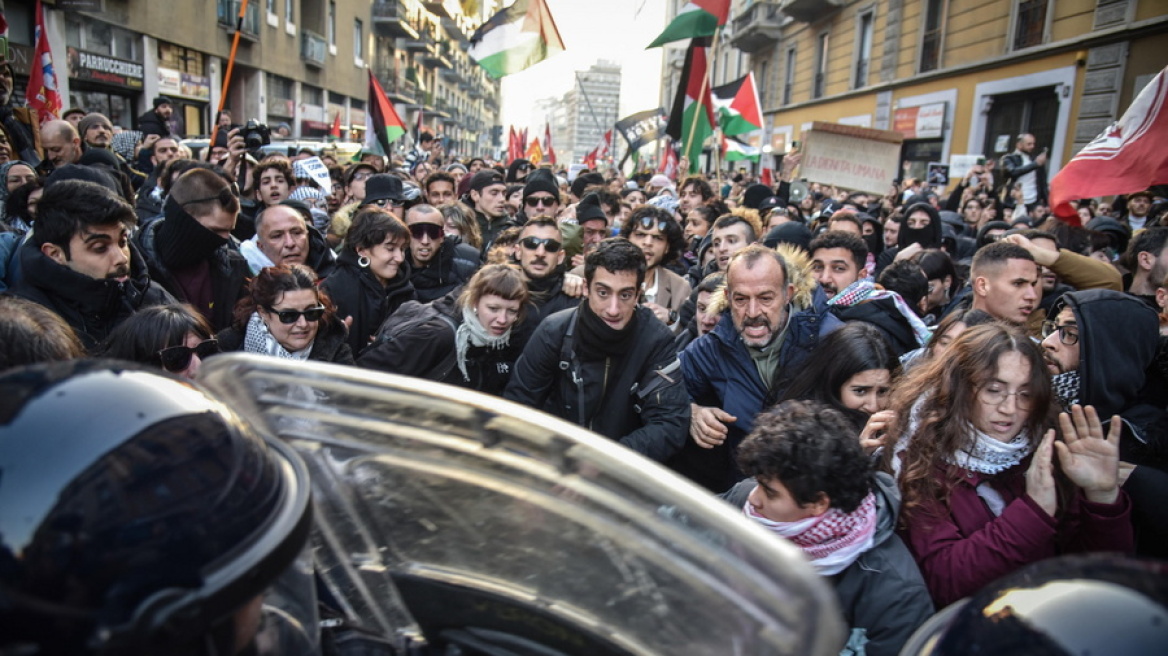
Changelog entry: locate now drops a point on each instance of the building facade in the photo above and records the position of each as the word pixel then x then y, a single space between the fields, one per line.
pixel 298 63
pixel 590 108
pixel 953 76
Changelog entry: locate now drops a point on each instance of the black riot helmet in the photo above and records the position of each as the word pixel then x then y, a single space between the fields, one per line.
pixel 1082 604
pixel 137 514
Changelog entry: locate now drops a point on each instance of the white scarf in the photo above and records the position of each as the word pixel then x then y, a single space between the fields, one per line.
pixel 258 339
pixel 985 454
pixel 471 332
pixel 833 540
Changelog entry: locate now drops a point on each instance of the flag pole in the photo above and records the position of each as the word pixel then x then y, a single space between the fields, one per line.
pixel 700 99
pixel 231 58
pixel 719 138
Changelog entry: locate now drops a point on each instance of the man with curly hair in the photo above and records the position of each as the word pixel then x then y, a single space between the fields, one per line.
pixel 812 485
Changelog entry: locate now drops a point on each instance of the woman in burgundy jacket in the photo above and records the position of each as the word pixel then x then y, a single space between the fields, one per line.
pixel 984 493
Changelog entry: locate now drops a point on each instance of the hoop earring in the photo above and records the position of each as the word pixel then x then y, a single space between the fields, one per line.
pixel 363 262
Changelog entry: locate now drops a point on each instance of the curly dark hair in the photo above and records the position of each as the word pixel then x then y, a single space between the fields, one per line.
pixel 615 254
pixel 845 240
pixel 938 399
pixel 649 214
pixel 812 450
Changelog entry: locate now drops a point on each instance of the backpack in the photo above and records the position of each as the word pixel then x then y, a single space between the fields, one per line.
pixel 406 318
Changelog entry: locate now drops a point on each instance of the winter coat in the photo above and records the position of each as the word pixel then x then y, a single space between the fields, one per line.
pixel 637 400
pixel 330 344
pixel 1014 167
pixel 452 266
pixel 425 349
pixel 961 546
pixel 91 306
pixel 882 595
pixel 719 372
pixel 228 272
pixel 883 315
pixel 490 230
pixel 152 123
pixel 358 294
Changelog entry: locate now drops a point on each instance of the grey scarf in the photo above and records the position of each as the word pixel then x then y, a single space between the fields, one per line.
pixel 472 332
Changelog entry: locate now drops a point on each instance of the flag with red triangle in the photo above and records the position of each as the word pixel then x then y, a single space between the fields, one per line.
pixel 692 118
pixel 385 126
pixel 696 18
pixel 335 130
pixel 737 106
pixel 42 94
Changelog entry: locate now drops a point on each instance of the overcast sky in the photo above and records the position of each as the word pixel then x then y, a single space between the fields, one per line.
pixel 613 30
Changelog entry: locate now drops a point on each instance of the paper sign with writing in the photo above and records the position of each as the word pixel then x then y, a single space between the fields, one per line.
pixel 319 172
pixel 859 159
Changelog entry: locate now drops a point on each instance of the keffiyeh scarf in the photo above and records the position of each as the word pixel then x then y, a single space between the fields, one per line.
pixel 833 540
pixel 866 290
pixel 258 339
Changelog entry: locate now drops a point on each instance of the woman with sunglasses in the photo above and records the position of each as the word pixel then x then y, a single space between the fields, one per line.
pixel 372 278
pixel 174 337
pixel 466 338
pixel 286 315
pixel 976 463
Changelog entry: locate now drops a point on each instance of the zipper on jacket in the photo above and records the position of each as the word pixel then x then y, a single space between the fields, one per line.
pixel 603 391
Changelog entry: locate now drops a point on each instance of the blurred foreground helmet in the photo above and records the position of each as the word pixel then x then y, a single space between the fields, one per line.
pixel 1091 604
pixel 140 516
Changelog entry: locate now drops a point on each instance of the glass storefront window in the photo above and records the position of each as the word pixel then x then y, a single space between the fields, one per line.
pixel 119 109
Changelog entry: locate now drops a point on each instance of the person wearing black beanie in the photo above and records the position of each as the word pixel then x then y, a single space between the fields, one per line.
pixel 755 194
pixel 541 196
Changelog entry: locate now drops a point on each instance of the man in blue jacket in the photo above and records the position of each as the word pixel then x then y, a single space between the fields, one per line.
pixel 742 366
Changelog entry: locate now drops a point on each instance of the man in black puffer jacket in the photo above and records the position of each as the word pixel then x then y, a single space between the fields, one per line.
pixel 81 264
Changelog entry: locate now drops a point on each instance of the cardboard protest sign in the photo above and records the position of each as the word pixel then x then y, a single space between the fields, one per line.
pixel 855 158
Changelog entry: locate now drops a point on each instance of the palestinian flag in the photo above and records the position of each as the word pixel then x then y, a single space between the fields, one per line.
pixel 697 18
pixel 516 38
pixel 737 106
pixel 692 118
pixel 385 126
pixel 736 150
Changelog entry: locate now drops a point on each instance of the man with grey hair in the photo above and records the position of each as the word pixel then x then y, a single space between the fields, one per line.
pixel 744 364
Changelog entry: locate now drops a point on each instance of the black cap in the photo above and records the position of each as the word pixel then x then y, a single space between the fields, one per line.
pixel 162 100
pixel 541 180
pixel 383 186
pixel 485 178
pixel 770 203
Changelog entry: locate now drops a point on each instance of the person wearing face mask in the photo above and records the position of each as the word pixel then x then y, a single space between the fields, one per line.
pixel 286 315
pixel 919 230
pixel 372 277
pixel 974 459
pixel 465 338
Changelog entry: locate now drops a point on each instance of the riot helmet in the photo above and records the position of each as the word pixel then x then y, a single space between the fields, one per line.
pixel 138 515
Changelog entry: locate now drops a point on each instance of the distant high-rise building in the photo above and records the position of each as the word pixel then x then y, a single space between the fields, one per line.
pixel 590 109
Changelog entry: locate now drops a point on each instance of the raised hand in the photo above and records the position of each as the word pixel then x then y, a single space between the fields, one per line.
pixel 1040 476
pixel 1087 457
pixel 872 437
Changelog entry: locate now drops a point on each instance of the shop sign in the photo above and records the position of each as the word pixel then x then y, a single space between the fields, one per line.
pixel 169 81
pixel 95 67
pixel 921 122
pixel 79 5
pixel 20 56
pixel 195 86
pixel 859 159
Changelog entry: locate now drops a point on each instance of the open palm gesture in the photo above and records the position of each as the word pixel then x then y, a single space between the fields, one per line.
pixel 1088 458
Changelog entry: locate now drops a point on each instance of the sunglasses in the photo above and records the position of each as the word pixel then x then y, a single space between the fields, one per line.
pixel 546 201
pixel 178 358
pixel 292 316
pixel 648 222
pixel 431 230
pixel 524 167
pixel 533 243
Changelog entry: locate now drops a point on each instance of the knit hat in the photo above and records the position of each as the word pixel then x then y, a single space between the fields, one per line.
pixel 86 173
pixel 755 194
pixel 162 100
pixel 93 119
pixel 791 232
pixel 383 186
pixel 541 180
pixel 585 180
pixel 588 209
pixel 100 157
pixel 485 178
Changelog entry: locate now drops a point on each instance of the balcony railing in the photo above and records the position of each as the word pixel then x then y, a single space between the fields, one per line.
pixel 228 13
pixel 758 26
pixel 810 11
pixel 390 19
pixel 312 48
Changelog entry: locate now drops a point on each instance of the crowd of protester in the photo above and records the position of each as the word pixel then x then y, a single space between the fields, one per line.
pixel 924 390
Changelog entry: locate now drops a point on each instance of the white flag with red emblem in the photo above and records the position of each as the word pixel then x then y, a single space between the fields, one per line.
pixel 1128 157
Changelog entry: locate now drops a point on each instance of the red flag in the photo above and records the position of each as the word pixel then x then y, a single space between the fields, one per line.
pixel 605 144
pixel 514 151
pixel 523 142
pixel 42 94
pixel 1128 157
pixel 335 132
pixel 765 177
pixel 590 158
pixel 549 152
pixel 669 162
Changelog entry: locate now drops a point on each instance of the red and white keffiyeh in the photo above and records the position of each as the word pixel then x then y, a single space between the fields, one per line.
pixel 833 540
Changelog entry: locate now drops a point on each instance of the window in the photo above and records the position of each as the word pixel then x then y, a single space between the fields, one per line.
pixel 332 23
pixel 789 76
pixel 359 42
pixel 763 83
pixel 820 66
pixel 100 37
pixel 290 11
pixel 865 24
pixel 180 58
pixel 931 38
pixel 311 95
pixel 1030 23
pixel 271 6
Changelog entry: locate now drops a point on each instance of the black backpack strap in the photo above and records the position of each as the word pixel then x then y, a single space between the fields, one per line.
pixel 570 366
